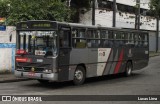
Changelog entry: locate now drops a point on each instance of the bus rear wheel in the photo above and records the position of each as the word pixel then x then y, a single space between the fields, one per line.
pixel 128 70
pixel 79 75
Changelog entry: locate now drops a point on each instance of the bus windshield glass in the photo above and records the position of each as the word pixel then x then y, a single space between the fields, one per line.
pixel 38 42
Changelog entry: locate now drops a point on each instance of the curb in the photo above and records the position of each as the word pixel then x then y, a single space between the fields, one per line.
pixel 154 55
pixel 13 80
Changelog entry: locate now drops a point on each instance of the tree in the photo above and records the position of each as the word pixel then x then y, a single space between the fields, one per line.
pixel 22 10
pixel 4 8
pixel 155 7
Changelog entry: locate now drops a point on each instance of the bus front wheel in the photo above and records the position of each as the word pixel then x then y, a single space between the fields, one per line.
pixel 79 75
pixel 128 70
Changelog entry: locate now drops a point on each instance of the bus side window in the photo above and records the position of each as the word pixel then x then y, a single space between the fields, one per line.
pixel 145 40
pixel 64 39
pixel 119 39
pixel 140 40
pixel 130 38
pixel 136 40
pixel 110 34
pixel 122 40
pixel 110 38
pixel 104 39
pixel 115 39
pixel 93 38
pixel 78 38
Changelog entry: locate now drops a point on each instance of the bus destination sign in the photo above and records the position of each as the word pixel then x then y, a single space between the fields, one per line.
pixel 40 25
pixel 37 25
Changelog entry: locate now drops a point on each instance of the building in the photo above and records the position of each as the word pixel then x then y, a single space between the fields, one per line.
pixel 7 49
pixel 125 16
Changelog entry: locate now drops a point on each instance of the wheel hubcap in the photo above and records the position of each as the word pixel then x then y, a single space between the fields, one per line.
pixel 79 75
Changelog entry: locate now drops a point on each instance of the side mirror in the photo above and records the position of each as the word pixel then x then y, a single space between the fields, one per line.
pixel 10 37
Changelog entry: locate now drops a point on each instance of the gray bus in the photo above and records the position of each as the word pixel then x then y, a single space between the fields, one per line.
pixel 58 51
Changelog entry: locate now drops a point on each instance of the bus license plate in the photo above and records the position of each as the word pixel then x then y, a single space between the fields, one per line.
pixel 31 74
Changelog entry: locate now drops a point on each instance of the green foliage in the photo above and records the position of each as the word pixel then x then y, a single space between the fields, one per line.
pixel 22 10
pixel 4 8
pixel 155 7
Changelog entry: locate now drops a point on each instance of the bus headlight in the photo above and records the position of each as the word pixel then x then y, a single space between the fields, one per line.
pixel 47 71
pixel 20 69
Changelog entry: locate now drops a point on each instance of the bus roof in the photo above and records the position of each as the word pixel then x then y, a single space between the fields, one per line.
pixel 54 23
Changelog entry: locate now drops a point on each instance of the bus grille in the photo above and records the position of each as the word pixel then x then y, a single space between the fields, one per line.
pixel 37 67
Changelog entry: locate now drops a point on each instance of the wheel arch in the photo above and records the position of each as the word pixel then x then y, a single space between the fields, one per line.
pixel 83 65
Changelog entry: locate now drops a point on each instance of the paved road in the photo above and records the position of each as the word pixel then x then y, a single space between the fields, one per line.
pixel 144 82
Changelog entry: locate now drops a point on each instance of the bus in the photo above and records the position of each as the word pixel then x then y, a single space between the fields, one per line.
pixel 58 51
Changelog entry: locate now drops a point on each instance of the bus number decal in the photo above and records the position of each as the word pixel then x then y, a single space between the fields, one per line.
pixel 103 54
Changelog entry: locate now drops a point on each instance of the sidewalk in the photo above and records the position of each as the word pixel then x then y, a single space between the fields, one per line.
pixel 9 77
pixel 153 54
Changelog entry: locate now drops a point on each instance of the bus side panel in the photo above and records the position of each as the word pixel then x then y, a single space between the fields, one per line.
pixel 141 58
pixel 92 62
pixel 108 64
pixel 104 55
pixel 78 56
pixel 115 62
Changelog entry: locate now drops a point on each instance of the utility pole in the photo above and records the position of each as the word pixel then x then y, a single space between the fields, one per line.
pixel 157 33
pixel 114 13
pixel 68 3
pixel 93 12
pixel 137 18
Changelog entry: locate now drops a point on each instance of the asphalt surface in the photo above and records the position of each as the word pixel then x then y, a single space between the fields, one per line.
pixel 143 82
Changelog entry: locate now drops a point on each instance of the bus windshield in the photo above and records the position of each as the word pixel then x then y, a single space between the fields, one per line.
pixel 38 42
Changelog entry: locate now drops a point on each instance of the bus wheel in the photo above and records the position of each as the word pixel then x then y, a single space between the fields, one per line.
pixel 79 75
pixel 43 81
pixel 128 70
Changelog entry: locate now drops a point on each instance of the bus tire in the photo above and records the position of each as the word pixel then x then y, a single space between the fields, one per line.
pixel 43 81
pixel 128 70
pixel 79 75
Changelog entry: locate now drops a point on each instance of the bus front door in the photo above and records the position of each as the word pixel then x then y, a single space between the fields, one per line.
pixel 64 54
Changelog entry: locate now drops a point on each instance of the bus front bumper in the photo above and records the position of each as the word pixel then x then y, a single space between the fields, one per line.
pixel 32 75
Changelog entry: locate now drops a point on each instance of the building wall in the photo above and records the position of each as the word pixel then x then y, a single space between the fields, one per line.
pixel 144 3
pixel 123 20
pixel 104 17
pixel 7 49
pixel 152 41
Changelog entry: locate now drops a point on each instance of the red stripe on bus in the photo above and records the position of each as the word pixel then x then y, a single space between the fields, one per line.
pixel 107 61
pixel 20 59
pixel 119 62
